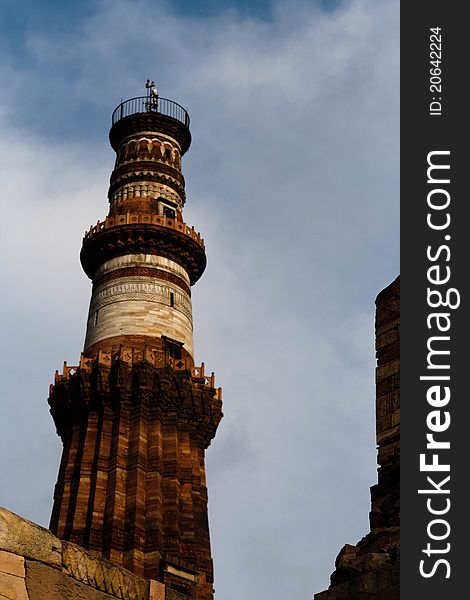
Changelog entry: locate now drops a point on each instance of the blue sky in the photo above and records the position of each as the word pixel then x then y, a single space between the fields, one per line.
pixel 54 16
pixel 292 178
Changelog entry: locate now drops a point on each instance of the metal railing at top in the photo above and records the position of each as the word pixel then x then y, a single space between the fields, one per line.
pixel 151 104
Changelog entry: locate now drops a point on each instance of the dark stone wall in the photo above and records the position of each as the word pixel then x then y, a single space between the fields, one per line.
pixel 370 570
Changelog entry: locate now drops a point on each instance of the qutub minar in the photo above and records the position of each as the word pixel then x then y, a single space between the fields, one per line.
pixel 136 415
pixel 129 519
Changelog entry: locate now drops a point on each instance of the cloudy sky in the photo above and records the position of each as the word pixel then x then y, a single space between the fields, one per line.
pixel 293 180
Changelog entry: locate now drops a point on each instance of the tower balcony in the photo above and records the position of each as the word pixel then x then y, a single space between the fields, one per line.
pixel 150 113
pixel 151 104
pixel 145 218
pixel 143 233
pixel 132 356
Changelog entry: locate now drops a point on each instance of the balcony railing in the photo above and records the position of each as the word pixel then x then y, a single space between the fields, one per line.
pixel 132 356
pixel 145 219
pixel 151 104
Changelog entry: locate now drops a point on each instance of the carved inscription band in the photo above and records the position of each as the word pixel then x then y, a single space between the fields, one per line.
pixel 142 272
pixel 140 288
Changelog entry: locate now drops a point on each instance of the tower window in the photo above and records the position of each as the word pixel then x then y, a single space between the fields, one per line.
pixel 172 299
pixel 169 212
pixel 96 317
pixel 168 153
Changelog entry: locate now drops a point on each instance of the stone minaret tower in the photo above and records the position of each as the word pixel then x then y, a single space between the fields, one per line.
pixel 136 415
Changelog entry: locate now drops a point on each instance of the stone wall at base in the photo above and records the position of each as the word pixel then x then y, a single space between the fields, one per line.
pixel 35 565
pixel 371 569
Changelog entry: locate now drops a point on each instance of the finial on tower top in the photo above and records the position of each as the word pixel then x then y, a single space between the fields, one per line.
pixel 156 108
pixel 152 96
pixel 150 85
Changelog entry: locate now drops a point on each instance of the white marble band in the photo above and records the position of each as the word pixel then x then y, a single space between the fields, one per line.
pixel 140 305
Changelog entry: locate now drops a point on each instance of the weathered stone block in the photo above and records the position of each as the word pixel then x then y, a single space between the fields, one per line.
pixel 371 582
pixel 346 556
pixel 27 539
pixel 12 587
pixel 44 582
pixel 102 574
pixel 11 564
pixel 337 592
pixel 388 403
pixel 157 590
pixel 372 561
pixel 388 369
pixel 388 352
pixel 386 434
pixel 387 337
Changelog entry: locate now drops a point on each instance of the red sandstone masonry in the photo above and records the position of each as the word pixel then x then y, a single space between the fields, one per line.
pixel 160 421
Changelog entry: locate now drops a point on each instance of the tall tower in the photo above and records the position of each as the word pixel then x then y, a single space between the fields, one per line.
pixel 136 415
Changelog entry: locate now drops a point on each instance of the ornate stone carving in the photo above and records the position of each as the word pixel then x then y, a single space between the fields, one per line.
pixel 177 243
pixel 102 574
pixel 138 289
pixel 142 272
